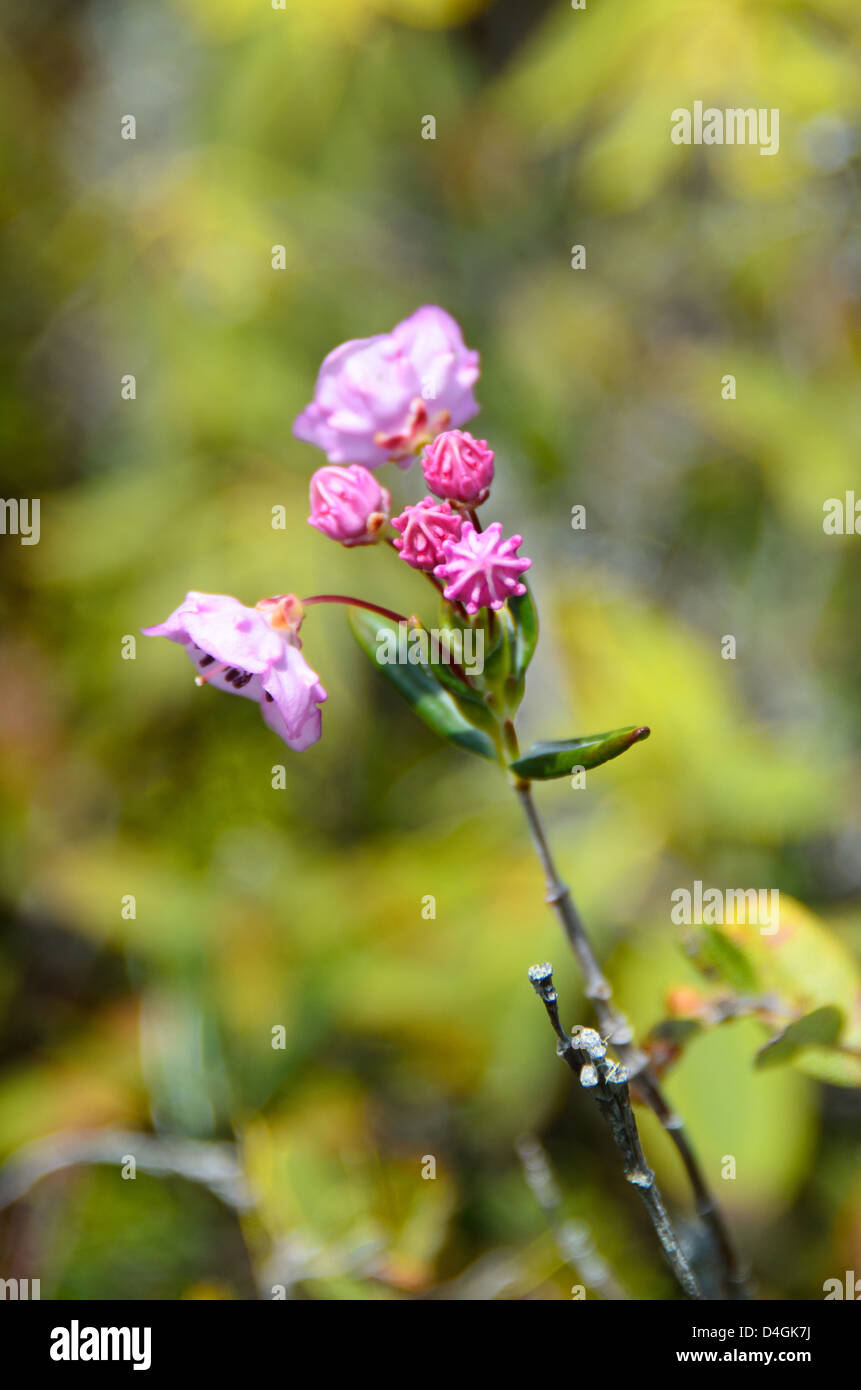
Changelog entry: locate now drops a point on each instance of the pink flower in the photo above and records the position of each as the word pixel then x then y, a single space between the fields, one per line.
pixel 252 652
pixel 446 369
pixel 459 467
pixel 348 504
pixel 424 528
pixel 481 569
pixel 381 398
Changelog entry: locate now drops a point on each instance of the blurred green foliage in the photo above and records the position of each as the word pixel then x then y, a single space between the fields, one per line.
pixel 302 907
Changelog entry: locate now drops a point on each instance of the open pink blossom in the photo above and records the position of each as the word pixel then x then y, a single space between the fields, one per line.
pixel 446 368
pixel 252 652
pixel 424 528
pixel 480 570
pixel 348 504
pixel 458 467
pixel 379 399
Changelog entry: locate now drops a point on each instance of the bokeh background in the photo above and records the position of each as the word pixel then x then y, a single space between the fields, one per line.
pixel 302 907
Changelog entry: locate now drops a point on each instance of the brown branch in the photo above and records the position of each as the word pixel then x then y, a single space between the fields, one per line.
pixel 618 1032
pixel 586 1055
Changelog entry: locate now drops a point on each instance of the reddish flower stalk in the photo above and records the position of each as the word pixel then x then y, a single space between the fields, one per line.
pixel 356 603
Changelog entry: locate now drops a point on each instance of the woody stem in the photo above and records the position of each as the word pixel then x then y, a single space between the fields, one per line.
pixel 618 1032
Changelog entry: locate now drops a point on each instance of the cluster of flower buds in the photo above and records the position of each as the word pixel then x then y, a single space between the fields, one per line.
pixel 377 400
pixel 363 409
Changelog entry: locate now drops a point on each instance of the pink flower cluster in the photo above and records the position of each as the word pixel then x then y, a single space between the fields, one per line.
pixel 363 411
pixel 376 400
pixel 478 569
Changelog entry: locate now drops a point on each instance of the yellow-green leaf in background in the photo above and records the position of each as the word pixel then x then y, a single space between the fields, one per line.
pixel 808 967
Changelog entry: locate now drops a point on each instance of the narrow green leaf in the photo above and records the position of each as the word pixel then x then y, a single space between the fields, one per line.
pixel 525 616
pixel 450 622
pixel 445 675
pixel 420 688
pixel 821 1028
pixel 500 659
pixel 545 760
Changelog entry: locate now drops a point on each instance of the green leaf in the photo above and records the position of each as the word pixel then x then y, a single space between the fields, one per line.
pixel 808 967
pixel 499 663
pixel 767 1119
pixel 420 688
pixel 820 1028
pixel 443 672
pixel 452 622
pixel 677 1031
pixel 831 1064
pixel 729 958
pixel 525 616
pixel 546 760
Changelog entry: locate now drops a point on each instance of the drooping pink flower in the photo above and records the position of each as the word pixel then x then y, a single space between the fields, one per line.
pixel 458 467
pixel 348 504
pixel 424 528
pixel 254 652
pixel 480 570
pixel 379 399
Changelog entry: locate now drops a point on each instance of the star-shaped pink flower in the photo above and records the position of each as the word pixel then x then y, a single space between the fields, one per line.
pixel 480 569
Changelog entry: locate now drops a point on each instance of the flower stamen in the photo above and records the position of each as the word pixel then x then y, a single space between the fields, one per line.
pixel 202 680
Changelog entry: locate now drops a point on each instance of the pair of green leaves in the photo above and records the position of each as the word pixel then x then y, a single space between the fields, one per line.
pixel 470 711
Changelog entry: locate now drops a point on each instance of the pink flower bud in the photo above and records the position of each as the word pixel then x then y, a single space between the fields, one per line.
pixel 458 467
pixel 348 504
pixel 480 569
pixel 424 528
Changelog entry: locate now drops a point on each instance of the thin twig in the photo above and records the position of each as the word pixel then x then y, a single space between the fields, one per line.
pixel 212 1164
pixel 586 1055
pixel 618 1032
pixel 573 1238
